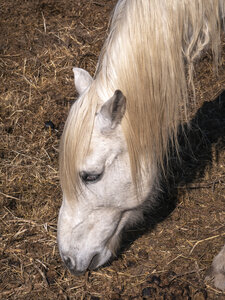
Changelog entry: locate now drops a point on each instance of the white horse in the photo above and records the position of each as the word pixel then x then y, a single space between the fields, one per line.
pixel 117 132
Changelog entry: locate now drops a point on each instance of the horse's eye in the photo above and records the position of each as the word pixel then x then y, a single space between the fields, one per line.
pixel 90 178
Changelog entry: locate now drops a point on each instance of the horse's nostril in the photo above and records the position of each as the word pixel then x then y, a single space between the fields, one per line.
pixel 69 262
pixel 71 265
pixel 94 262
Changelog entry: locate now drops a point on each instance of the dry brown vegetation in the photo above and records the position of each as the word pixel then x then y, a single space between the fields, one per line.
pixel 164 258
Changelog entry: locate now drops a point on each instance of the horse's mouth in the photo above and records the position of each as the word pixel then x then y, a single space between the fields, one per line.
pixel 94 262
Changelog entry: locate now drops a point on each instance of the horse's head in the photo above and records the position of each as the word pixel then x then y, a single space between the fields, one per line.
pixel 89 225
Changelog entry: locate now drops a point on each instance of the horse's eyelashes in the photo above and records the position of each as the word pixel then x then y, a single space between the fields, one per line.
pixel 89 177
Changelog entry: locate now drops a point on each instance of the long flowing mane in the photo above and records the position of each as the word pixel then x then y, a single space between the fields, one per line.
pixel 149 55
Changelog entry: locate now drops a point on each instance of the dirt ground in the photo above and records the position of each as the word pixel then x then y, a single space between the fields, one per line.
pixel 166 257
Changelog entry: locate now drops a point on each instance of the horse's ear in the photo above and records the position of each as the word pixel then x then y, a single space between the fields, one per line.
pixel 112 111
pixel 82 79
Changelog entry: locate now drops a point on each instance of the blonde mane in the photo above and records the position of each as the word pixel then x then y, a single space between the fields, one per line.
pixel 149 55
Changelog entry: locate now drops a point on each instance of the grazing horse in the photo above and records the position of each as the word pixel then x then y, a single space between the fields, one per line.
pixel 118 132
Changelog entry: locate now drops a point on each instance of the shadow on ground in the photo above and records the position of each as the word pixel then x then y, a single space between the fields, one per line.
pixel 196 139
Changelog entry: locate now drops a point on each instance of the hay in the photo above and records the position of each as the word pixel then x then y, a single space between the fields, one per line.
pixel 40 43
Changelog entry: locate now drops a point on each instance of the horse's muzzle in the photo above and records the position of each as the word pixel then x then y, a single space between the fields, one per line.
pixel 77 270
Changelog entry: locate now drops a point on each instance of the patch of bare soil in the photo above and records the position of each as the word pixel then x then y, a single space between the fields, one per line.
pixel 168 255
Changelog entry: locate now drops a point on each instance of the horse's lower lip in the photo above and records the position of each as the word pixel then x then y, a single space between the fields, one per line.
pixel 76 272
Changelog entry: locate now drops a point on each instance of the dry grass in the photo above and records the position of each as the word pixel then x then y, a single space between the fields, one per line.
pixel 40 42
